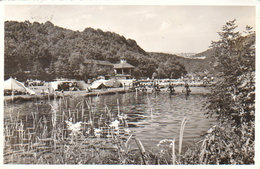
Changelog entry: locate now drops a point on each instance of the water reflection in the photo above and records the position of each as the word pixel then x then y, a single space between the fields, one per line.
pixel 151 116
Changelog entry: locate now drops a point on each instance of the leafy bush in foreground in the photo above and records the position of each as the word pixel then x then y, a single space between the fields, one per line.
pixel 232 102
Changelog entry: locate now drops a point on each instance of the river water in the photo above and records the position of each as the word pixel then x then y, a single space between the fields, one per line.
pixel 151 116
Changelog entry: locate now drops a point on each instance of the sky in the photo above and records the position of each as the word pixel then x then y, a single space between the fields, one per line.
pixel 171 29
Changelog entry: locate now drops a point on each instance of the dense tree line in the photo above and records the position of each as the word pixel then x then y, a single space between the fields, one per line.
pixel 44 51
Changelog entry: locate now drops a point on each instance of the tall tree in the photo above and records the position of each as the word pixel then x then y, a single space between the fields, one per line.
pixel 235 64
pixel 232 99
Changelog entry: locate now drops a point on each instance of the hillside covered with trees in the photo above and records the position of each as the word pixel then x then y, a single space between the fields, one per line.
pixel 190 64
pixel 45 51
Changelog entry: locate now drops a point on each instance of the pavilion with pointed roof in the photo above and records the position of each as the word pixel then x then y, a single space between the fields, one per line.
pixel 123 70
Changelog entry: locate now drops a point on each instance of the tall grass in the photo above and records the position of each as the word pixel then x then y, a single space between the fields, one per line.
pixel 184 121
pixel 65 136
pixel 173 152
pixel 168 148
pixel 79 136
pixel 38 138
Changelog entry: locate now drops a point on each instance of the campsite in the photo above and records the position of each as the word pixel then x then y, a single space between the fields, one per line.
pixel 16 91
pixel 129 85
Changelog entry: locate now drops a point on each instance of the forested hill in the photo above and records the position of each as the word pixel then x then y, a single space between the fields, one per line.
pixel 45 51
pixel 200 63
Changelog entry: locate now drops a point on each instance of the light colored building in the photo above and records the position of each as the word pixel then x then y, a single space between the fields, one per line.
pixel 123 70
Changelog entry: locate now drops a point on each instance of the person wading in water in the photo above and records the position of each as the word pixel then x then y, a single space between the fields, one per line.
pixel 171 88
pixel 187 88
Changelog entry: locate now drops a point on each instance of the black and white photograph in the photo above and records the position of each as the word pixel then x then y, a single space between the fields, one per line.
pixel 129 84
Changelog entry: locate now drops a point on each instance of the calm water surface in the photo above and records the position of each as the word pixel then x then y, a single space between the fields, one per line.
pixel 151 117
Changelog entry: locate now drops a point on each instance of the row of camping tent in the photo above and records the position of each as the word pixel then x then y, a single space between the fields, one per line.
pixel 81 85
pixel 12 86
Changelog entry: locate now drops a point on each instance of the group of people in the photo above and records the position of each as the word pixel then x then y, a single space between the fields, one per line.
pixel 156 87
pixel 186 89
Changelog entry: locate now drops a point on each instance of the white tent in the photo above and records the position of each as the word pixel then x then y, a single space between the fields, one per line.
pixel 105 83
pixel 98 84
pixel 12 84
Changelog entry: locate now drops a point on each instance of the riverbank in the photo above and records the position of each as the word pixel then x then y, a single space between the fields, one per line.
pixel 110 91
pixel 22 98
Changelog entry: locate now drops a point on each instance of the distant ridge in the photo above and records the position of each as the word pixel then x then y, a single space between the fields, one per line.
pixel 199 62
pixel 186 55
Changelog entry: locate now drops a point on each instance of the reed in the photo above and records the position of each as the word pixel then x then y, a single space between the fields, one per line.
pixel 67 137
pixel 141 149
pixel 183 123
pixel 167 147
pixel 173 152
